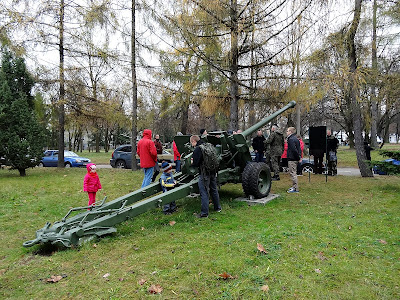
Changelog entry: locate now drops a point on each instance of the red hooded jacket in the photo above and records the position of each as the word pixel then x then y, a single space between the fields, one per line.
pixel 91 182
pixel 177 155
pixel 147 150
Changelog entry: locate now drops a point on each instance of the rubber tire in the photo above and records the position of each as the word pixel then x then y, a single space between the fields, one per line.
pixel 120 164
pixel 67 165
pixel 256 180
pixel 307 168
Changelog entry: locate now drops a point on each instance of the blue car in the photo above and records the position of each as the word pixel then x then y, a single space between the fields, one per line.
pixel 71 159
pixel 379 171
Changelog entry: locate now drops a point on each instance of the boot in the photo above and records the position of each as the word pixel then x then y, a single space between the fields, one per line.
pixel 275 178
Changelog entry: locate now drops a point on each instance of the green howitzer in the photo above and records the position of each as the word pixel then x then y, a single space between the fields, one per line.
pixel 235 166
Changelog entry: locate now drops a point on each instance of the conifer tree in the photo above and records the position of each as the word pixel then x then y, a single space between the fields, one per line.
pixel 21 136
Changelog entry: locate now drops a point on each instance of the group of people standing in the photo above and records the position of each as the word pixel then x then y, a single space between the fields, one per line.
pixel 148 150
pixel 276 147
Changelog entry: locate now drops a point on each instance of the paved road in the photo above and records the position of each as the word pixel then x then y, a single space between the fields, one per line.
pixel 341 171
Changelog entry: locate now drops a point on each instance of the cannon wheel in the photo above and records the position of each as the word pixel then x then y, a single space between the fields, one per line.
pixel 256 180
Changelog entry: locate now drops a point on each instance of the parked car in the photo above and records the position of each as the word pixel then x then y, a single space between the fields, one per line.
pixel 122 157
pixel 306 165
pixel 379 171
pixel 71 159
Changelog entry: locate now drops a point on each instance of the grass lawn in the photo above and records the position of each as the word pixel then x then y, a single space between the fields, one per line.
pixel 335 240
pixel 347 157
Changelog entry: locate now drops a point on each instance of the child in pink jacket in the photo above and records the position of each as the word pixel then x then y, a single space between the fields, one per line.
pixel 91 183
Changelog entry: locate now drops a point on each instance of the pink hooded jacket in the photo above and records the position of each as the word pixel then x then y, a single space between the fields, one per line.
pixel 91 182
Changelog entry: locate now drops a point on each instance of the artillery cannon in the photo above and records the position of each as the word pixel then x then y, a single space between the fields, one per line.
pixel 235 166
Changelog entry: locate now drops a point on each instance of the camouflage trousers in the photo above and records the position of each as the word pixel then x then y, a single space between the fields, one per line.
pixel 332 167
pixel 274 162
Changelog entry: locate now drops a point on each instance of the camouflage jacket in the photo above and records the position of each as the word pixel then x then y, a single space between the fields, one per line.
pixel 274 143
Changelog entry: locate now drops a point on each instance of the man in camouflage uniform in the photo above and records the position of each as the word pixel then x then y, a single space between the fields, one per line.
pixel 275 144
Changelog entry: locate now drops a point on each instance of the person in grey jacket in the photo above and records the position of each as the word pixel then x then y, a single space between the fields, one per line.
pixel 275 143
pixel 293 157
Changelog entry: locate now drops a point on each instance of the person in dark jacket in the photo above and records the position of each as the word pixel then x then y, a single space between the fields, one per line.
pixel 158 144
pixel 159 149
pixel 258 146
pixel 367 149
pixel 332 144
pixel 148 156
pixel 275 143
pixel 207 182
pixel 293 157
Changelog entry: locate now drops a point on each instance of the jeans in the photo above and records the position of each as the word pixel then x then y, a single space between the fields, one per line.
pixel 177 165
pixel 148 173
pixel 259 156
pixel 208 183
pixel 170 207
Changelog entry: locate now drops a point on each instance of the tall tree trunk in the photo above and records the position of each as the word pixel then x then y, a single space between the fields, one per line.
pixel 253 82
pixel 134 85
pixel 374 104
pixel 234 61
pixel 69 140
pixel 185 114
pixel 355 107
pixel 298 106
pixel 106 142
pixel 61 100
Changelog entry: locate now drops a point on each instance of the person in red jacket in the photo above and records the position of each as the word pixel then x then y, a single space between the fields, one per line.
pixel 91 183
pixel 148 156
pixel 177 155
pixel 284 157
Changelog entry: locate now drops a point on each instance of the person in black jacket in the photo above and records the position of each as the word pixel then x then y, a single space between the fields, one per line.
pixel 207 182
pixel 332 144
pixel 293 157
pixel 258 146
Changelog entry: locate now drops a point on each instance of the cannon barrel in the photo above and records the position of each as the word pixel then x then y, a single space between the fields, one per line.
pixel 268 119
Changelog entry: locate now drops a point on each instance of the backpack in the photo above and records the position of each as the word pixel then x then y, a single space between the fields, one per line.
pixel 210 158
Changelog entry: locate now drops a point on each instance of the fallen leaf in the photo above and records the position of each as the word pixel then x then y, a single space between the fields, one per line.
pixel 54 278
pixel 2 271
pixel 383 242
pixel 94 246
pixel 172 223
pixel 154 273
pixel 143 228
pixel 121 279
pixel 106 275
pixel 226 276
pixel 142 281
pixel 155 289
pixel 317 271
pixel 265 288
pixel 261 248
pixel 321 256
